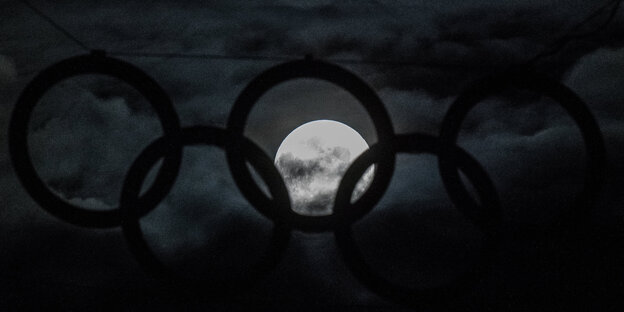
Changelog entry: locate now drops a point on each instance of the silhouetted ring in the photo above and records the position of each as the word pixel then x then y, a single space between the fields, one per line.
pixel 18 135
pixel 131 206
pixel 342 78
pixel 488 210
pixel 582 116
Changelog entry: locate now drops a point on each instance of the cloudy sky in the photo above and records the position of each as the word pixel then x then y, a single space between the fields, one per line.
pixel 87 130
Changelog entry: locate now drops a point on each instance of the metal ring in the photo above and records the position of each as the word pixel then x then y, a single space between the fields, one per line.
pixel 131 206
pixel 336 75
pixel 490 207
pixel 592 136
pixel 18 136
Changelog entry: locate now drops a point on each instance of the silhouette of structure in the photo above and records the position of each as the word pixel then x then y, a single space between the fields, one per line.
pixel 484 213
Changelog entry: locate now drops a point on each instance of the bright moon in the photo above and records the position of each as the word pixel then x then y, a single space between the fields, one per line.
pixel 313 158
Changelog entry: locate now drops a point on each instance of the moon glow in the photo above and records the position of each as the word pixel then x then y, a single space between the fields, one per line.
pixel 313 158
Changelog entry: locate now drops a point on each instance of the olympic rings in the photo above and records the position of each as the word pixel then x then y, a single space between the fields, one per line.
pixel 324 71
pixel 18 135
pixel 590 131
pixel 485 213
pixel 131 205
pixel 419 143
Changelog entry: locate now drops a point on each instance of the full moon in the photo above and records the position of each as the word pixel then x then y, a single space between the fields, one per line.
pixel 313 158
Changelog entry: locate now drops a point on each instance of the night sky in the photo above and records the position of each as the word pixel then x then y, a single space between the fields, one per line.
pixel 86 132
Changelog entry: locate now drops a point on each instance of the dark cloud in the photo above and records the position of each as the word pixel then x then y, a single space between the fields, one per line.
pixel 86 151
pixel 595 77
pixel 7 69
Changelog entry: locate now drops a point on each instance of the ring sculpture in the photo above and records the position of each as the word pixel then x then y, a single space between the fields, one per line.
pixel 484 213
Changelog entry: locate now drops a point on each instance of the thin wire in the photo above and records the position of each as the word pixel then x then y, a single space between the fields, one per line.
pixel 595 14
pixel 288 58
pixel 201 56
pixel 553 49
pixel 55 25
pixel 570 34
pixel 448 66
pixel 607 21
